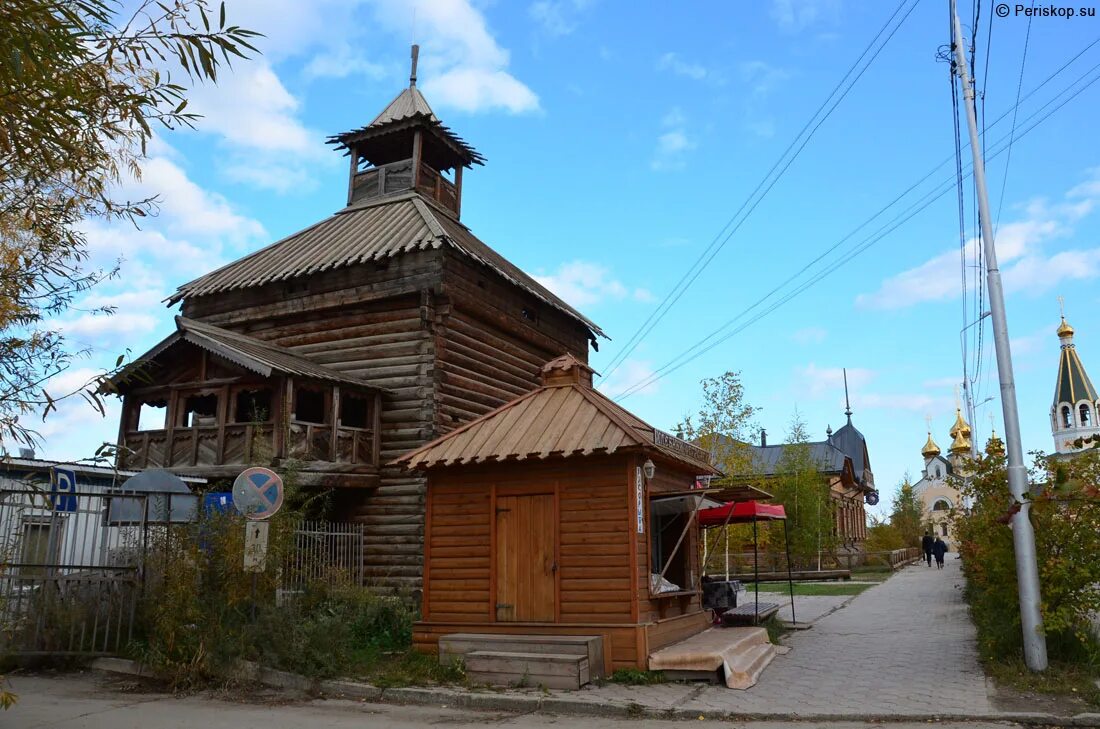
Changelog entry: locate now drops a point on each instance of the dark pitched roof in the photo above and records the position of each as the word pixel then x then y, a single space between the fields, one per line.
pixel 1073 384
pixel 563 419
pixel 254 355
pixel 768 459
pixel 381 229
pixel 852 443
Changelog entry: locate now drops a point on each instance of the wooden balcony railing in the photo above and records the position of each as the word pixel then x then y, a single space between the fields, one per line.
pixel 246 444
pixel 397 176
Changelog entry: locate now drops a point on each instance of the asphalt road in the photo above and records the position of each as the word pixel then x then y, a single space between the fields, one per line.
pixel 93 701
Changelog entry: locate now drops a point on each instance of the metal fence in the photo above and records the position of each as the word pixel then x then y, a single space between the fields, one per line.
pixel 325 552
pixel 73 568
pixel 70 570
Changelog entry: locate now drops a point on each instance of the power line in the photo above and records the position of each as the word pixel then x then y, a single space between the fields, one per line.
pixel 720 335
pixel 1019 85
pixel 959 195
pixel 749 205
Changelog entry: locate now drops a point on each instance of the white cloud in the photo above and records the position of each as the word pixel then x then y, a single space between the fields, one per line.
pixel 462 65
pixel 257 121
pixel 630 372
pixel 250 108
pixel 673 63
pixel 189 208
pixel 673 144
pixel 557 17
pixel 795 15
pixel 761 79
pixel 343 60
pixel 828 382
pixel 1025 266
pixel 135 316
pixel 810 335
pixel 474 89
pixel 77 427
pixel 583 283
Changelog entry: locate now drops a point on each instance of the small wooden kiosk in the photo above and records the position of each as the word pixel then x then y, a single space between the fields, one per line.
pixel 563 514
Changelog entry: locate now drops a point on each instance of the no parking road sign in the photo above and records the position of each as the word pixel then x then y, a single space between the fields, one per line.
pixel 258 493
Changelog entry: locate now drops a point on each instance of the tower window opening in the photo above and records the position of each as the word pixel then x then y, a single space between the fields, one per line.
pixel 1086 416
pixel 941 505
pixel 1067 417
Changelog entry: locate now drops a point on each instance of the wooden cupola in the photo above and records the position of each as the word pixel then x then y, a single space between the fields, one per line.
pixel 406 147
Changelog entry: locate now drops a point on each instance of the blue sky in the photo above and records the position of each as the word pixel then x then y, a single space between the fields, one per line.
pixel 620 140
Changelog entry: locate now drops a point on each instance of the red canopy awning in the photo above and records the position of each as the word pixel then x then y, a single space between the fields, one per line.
pixel 740 513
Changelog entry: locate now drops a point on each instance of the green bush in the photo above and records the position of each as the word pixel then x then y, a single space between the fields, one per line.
pixel 1065 513
pixel 200 613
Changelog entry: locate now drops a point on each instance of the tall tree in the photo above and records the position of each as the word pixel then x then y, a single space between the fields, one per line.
pixel 907 514
pixel 804 492
pixel 722 423
pixel 83 85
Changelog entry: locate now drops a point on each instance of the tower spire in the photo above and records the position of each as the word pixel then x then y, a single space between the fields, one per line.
pixel 415 58
pixel 847 404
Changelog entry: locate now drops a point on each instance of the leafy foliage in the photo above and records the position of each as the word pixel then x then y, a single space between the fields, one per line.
pixel 723 423
pixel 82 88
pixel 907 515
pixel 1065 512
pixel 202 613
pixel 804 492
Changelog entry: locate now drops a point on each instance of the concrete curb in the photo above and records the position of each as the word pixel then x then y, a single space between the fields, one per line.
pixel 564 705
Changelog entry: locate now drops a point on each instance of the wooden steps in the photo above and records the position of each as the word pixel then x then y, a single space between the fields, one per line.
pixel 509 668
pixel 740 655
pixel 553 661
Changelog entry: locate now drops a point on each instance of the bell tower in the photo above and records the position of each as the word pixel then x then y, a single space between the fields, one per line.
pixel 1073 415
pixel 406 148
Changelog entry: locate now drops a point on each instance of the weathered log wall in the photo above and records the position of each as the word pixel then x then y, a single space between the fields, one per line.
pixel 450 339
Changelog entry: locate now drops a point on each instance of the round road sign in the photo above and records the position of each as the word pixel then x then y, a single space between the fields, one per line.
pixel 258 493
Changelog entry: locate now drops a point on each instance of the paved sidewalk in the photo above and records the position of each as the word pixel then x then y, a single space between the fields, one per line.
pixel 903 648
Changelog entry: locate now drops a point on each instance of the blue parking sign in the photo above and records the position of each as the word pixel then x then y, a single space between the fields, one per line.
pixel 62 489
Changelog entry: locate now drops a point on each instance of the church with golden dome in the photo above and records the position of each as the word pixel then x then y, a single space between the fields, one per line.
pixel 935 490
pixel 1073 414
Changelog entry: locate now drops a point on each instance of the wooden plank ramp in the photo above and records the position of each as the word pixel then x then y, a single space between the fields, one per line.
pixel 736 655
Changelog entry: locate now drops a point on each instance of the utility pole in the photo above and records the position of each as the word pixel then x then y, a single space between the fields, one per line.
pixel 1023 535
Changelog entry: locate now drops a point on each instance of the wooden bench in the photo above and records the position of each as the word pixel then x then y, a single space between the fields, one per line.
pixel 750 613
pixel 797 576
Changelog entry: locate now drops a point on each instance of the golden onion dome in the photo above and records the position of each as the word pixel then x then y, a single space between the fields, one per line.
pixel 960 426
pixel 961 444
pixel 994 446
pixel 930 449
pixel 1064 329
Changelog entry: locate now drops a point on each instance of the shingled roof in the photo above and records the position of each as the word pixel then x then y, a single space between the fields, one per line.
pixel 374 231
pixel 263 358
pixel 564 417
pixel 408 108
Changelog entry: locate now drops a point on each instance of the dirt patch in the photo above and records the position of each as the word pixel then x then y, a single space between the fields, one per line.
pixel 1007 698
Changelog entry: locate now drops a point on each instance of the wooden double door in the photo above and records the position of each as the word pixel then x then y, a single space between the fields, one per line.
pixel 526 558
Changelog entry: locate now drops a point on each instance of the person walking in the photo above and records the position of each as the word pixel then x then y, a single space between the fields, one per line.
pixel 926 543
pixel 939 548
